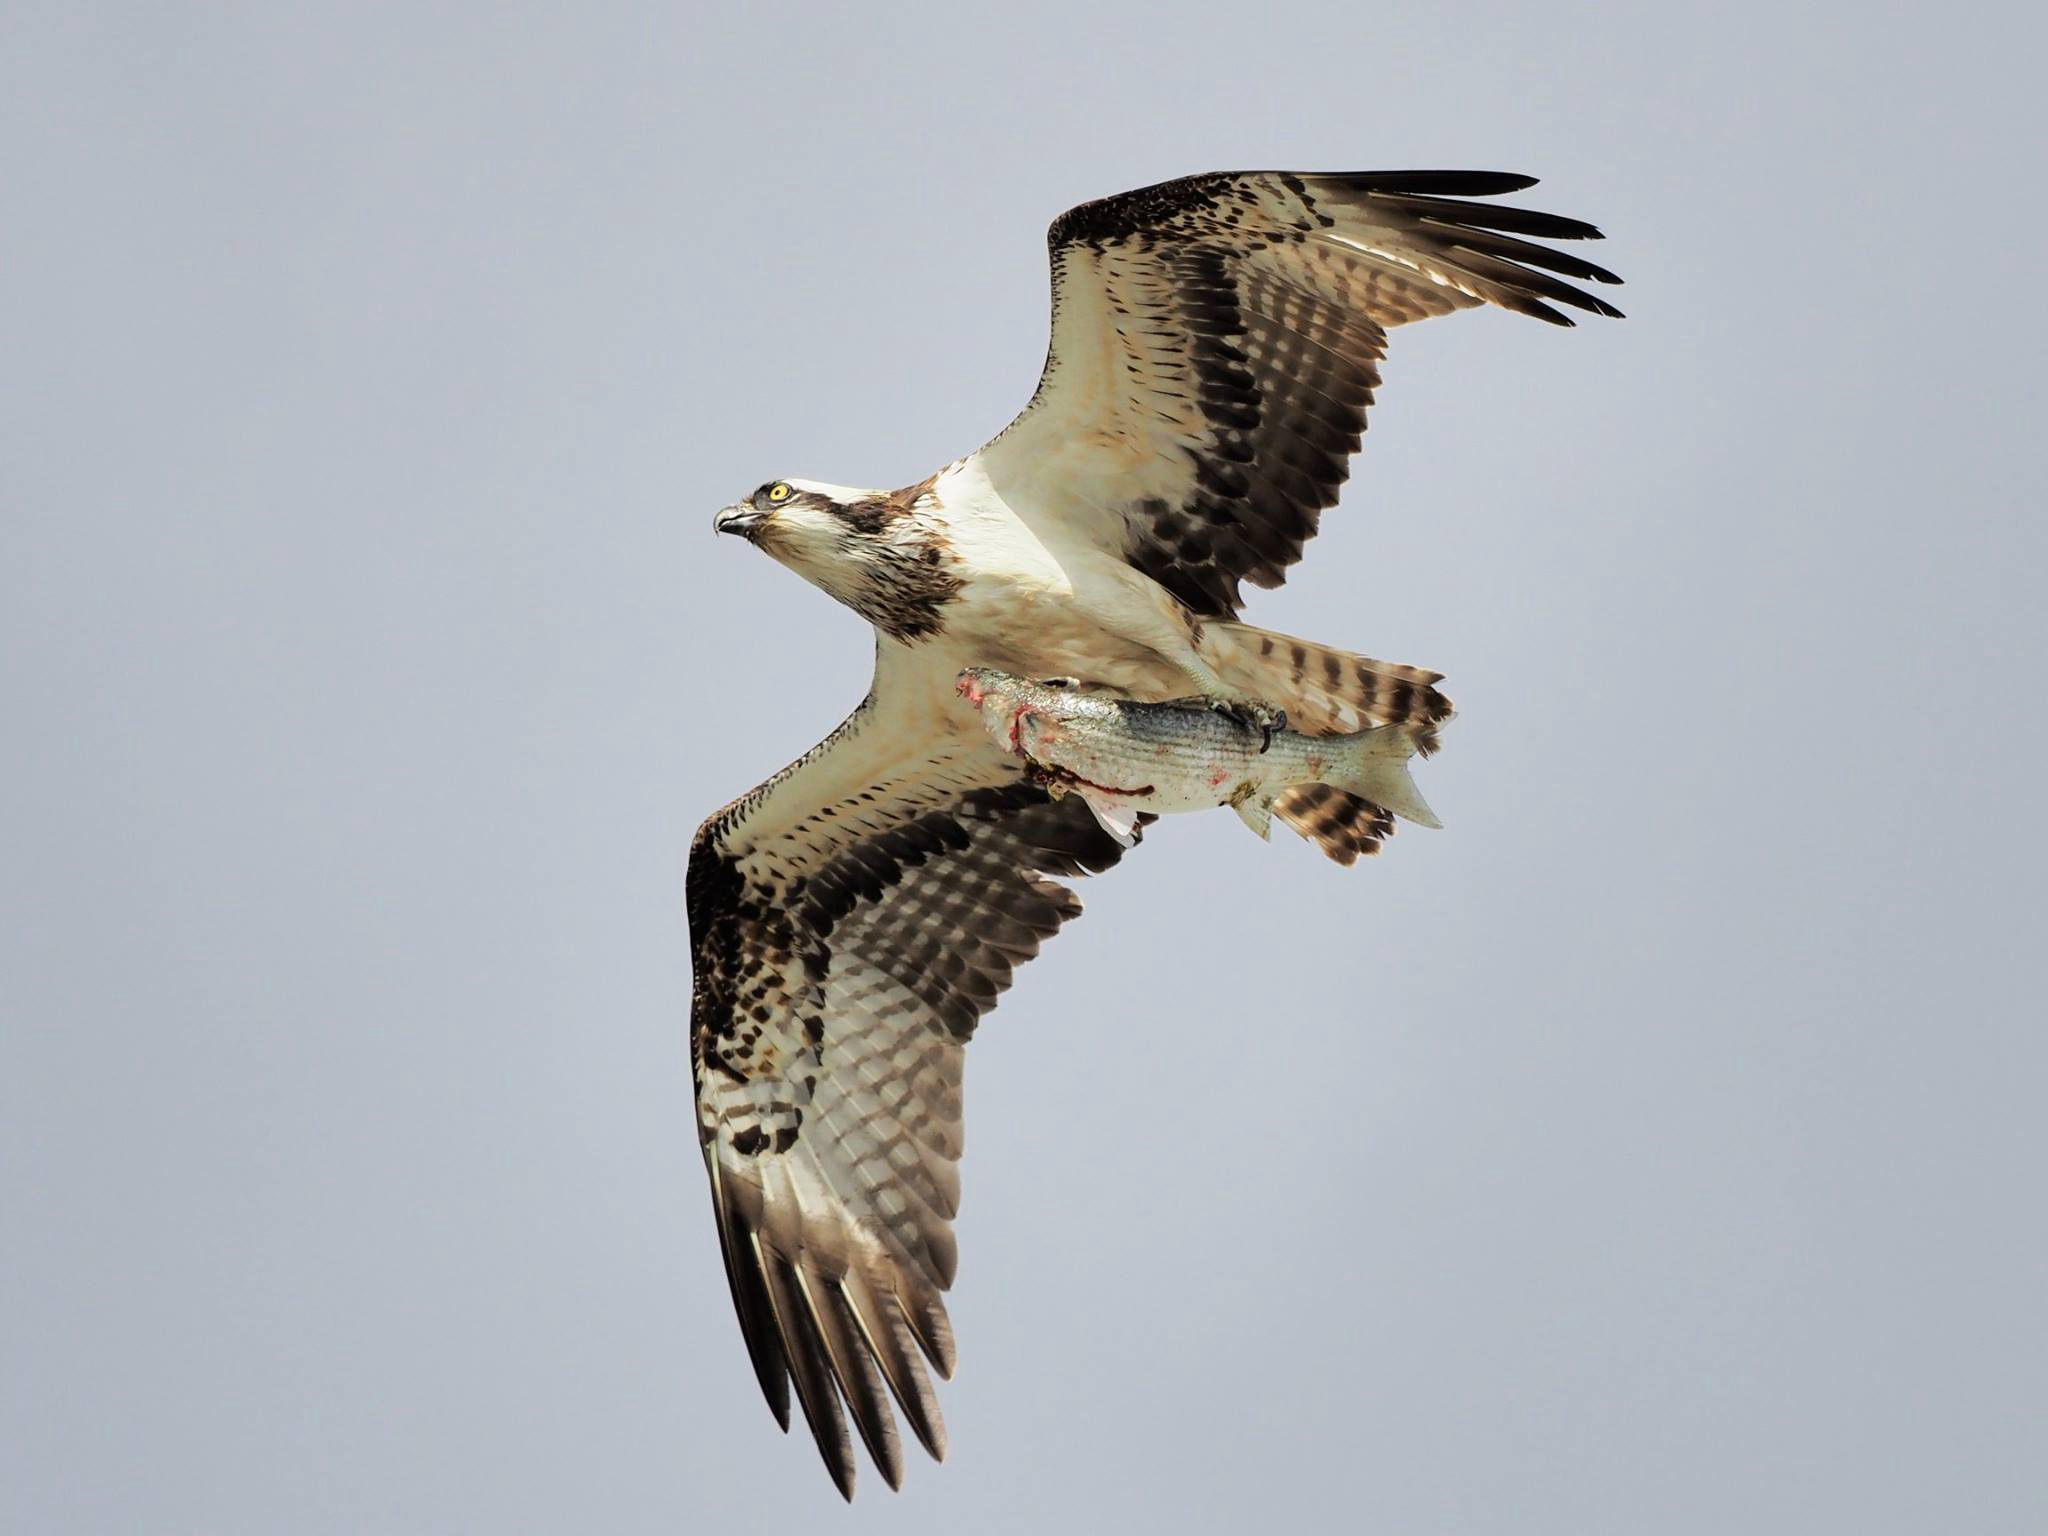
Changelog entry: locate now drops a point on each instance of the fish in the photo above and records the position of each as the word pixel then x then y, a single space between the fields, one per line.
pixel 1126 758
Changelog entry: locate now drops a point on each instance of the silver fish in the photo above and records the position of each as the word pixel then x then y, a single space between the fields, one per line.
pixel 1124 757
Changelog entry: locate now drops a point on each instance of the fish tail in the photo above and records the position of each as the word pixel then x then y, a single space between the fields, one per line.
pixel 1366 785
pixel 1374 765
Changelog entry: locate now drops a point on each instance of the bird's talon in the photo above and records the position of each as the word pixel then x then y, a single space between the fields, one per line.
pixel 1253 716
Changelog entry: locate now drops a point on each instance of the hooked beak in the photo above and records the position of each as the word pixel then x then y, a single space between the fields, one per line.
pixel 739 518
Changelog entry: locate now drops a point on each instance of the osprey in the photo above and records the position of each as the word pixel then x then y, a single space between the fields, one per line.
pixel 1215 343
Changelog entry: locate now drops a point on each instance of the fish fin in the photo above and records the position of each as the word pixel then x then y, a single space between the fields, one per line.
pixel 1119 821
pixel 1256 814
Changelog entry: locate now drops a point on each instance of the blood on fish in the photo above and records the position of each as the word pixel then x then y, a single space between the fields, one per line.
pixel 1017 725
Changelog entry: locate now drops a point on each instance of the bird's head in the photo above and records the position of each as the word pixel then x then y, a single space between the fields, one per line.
pixel 881 553
pixel 816 530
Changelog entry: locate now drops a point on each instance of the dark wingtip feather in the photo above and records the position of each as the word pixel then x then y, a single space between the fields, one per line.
pixel 1582 300
pixel 809 1356
pixel 933 1331
pixel 1457 213
pixel 886 1338
pixel 1534 221
pixel 1438 183
pixel 853 1369
pixel 801 1348
pixel 1470 236
pixel 749 1293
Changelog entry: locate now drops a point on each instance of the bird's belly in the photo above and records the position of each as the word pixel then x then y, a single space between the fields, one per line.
pixel 1041 612
pixel 1045 634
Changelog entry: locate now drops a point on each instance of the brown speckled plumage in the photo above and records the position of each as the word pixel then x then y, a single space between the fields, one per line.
pixel 1237 293
pixel 839 970
pixel 1216 344
pixel 907 583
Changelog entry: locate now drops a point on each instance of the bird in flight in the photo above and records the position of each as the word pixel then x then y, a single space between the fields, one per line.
pixel 1216 341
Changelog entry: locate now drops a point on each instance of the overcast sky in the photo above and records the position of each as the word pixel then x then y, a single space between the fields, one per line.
pixel 1658 1148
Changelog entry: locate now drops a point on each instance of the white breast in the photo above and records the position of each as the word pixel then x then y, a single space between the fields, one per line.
pixel 1040 602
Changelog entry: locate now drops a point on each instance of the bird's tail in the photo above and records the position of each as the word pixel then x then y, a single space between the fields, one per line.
pixel 1341 824
pixel 1326 693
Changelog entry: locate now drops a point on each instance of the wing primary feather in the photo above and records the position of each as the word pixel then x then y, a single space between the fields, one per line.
pixel 854 1369
pixel 749 1292
pixel 1530 254
pixel 882 1328
pixel 931 1328
pixel 1503 216
pixel 806 1352
pixel 1442 183
pixel 1527 283
pixel 916 1291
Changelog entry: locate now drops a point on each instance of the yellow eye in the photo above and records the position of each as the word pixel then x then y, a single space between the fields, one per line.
pixel 779 491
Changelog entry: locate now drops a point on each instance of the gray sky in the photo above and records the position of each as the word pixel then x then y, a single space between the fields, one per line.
pixel 1658 1148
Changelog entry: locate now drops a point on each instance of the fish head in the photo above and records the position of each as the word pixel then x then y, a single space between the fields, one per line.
pixel 1012 708
pixel 976 684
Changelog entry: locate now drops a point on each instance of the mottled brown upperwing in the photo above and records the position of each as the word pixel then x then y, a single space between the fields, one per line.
pixel 1247 314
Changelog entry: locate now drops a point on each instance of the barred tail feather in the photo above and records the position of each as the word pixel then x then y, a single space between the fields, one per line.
pixel 1341 824
pixel 1325 692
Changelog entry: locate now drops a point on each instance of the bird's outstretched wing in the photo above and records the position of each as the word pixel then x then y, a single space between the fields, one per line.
pixel 851 920
pixel 1216 341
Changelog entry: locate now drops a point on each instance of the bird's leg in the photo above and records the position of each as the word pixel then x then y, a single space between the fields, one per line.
pixel 1167 629
pixel 1252 714
pixel 1255 716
